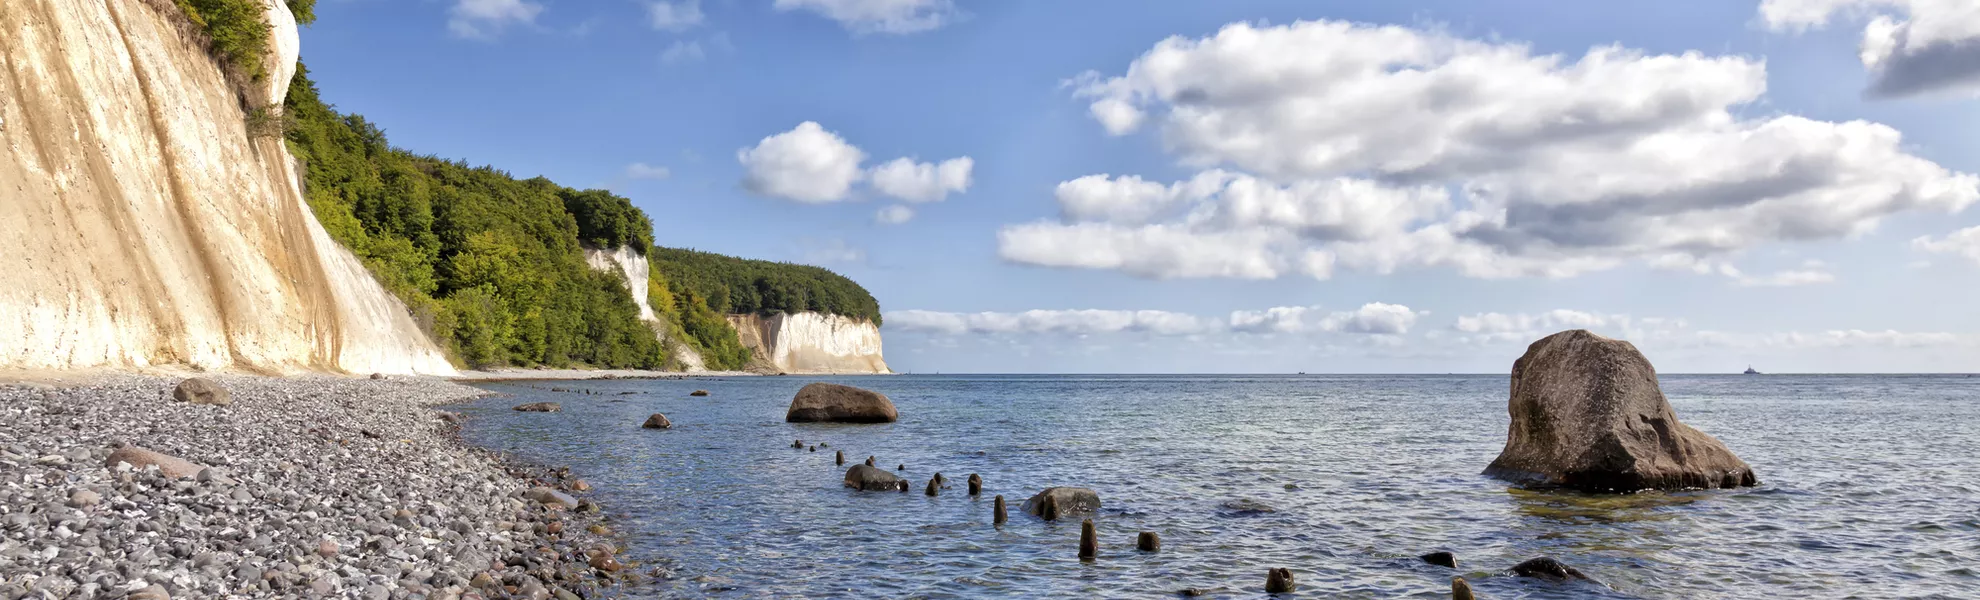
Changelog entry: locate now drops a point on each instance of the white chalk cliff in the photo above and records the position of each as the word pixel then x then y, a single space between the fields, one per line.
pixel 142 225
pixel 812 343
pixel 638 271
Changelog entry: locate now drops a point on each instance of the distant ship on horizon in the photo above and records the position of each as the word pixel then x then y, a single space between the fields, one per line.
pixel 1750 371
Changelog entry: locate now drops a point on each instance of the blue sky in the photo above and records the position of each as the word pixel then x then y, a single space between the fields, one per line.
pixel 1380 186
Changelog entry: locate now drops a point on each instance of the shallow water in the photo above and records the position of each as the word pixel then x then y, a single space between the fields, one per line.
pixel 1870 487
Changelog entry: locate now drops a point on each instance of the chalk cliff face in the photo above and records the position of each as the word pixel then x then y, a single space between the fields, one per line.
pixel 629 264
pixel 141 224
pixel 812 343
pixel 638 271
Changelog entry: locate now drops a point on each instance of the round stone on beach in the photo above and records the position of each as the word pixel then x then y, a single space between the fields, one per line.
pixel 834 403
pixel 1065 502
pixel 1442 559
pixel 1148 541
pixel 326 548
pixel 550 497
pixel 200 390
pixel 1279 581
pixel 1587 415
pixel 82 498
pixel 139 458
pixel 377 376
pixel 698 393
pixel 657 421
pixel 868 478
pixel 542 407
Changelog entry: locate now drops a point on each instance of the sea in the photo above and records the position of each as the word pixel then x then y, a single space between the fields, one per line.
pixel 1869 488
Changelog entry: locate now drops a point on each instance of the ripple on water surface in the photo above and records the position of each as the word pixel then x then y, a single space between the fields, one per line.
pixel 1869 486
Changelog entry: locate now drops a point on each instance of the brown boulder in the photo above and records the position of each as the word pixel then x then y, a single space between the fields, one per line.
pixel 833 403
pixel 543 407
pixel 657 421
pixel 1587 414
pixel 863 477
pixel 1058 502
pixel 170 466
pixel 200 390
pixel 698 393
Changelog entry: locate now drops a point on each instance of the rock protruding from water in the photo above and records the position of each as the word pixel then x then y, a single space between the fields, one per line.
pixel 138 458
pixel 200 390
pixel 1280 581
pixel 1441 559
pixel 1089 541
pixel 1549 569
pixel 1461 589
pixel 1148 541
pixel 834 403
pixel 1587 414
pixel 542 407
pixel 868 478
pixel 997 515
pixel 698 393
pixel 975 484
pixel 1056 502
pixel 657 421
pixel 840 457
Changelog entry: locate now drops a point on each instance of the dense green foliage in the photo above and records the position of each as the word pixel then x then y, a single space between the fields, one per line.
pixel 608 221
pixel 491 265
pixel 736 285
pixel 304 10
pixel 238 29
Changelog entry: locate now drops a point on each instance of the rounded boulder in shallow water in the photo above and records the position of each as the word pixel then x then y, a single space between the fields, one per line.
pixel 200 390
pixel 1461 589
pixel 542 407
pixel 1064 502
pixel 698 393
pixel 834 403
pixel 657 421
pixel 1441 559
pixel 863 477
pixel 1587 415
pixel 1549 569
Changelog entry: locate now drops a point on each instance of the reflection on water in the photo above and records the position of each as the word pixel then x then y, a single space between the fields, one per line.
pixel 1869 485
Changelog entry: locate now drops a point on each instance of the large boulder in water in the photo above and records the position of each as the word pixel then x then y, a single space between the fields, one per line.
pixel 833 403
pixel 873 479
pixel 1587 414
pixel 1056 502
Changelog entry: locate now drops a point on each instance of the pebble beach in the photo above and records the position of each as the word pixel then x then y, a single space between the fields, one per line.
pixel 314 487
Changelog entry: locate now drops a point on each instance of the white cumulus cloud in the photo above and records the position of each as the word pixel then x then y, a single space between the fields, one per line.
pixel 486 19
pixel 1911 47
pixel 680 15
pixel 683 51
pixel 1378 148
pixel 893 214
pixel 1371 319
pixel 1964 243
pixel 879 16
pixel 912 181
pixel 806 164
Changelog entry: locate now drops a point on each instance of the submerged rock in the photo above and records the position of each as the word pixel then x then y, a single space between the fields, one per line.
pixel 1587 414
pixel 833 403
pixel 550 497
pixel 1089 541
pixel 1279 581
pixel 657 421
pixel 868 478
pixel 1549 569
pixel 1442 559
pixel 170 466
pixel 200 390
pixel 1058 502
pixel 1246 507
pixel 543 407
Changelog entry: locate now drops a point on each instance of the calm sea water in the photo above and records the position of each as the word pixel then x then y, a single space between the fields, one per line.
pixel 1870 488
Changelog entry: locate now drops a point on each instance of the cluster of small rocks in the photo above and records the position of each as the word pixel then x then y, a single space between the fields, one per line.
pixel 301 487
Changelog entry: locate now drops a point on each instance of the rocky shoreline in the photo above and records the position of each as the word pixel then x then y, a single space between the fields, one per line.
pixel 306 487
